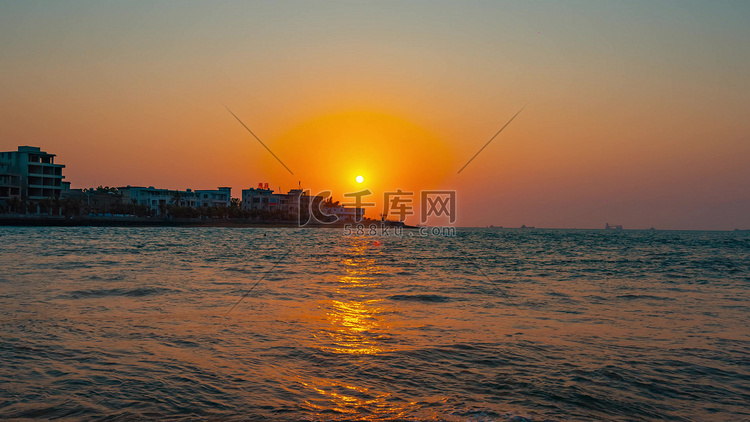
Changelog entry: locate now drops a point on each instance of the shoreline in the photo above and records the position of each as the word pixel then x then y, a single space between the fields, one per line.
pixel 57 221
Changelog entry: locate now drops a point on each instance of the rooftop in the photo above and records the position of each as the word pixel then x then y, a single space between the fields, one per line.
pixel 27 148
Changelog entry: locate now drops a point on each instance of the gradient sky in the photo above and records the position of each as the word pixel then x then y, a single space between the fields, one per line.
pixel 637 111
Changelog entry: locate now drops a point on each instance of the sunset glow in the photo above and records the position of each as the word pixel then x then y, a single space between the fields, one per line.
pixel 393 152
pixel 337 210
pixel 640 122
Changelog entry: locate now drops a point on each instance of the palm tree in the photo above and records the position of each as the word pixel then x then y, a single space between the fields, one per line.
pixel 15 204
pixel 176 197
pixel 45 205
pixel 55 203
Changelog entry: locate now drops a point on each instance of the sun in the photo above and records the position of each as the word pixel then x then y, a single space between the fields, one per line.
pixel 360 179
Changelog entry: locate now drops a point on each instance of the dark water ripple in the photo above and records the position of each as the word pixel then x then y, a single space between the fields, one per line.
pixel 129 323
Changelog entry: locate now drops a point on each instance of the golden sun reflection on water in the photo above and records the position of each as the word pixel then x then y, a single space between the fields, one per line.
pixel 356 316
pixel 350 400
pixel 357 322
pixel 357 328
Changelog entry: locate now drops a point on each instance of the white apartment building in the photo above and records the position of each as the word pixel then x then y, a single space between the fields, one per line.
pixel 156 199
pixel 221 197
pixel 30 174
pixel 266 200
pixel 290 203
pixel 346 213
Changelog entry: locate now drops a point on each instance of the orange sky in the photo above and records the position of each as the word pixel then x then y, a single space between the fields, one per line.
pixel 636 112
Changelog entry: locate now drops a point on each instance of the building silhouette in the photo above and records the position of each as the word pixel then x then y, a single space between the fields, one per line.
pixel 155 199
pixel 30 174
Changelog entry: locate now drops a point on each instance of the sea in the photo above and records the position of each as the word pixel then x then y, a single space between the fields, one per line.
pixel 314 324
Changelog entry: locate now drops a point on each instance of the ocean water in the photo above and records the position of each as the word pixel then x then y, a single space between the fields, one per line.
pixel 141 323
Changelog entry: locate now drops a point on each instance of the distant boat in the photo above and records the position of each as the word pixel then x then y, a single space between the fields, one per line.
pixel 617 227
pixel 526 227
